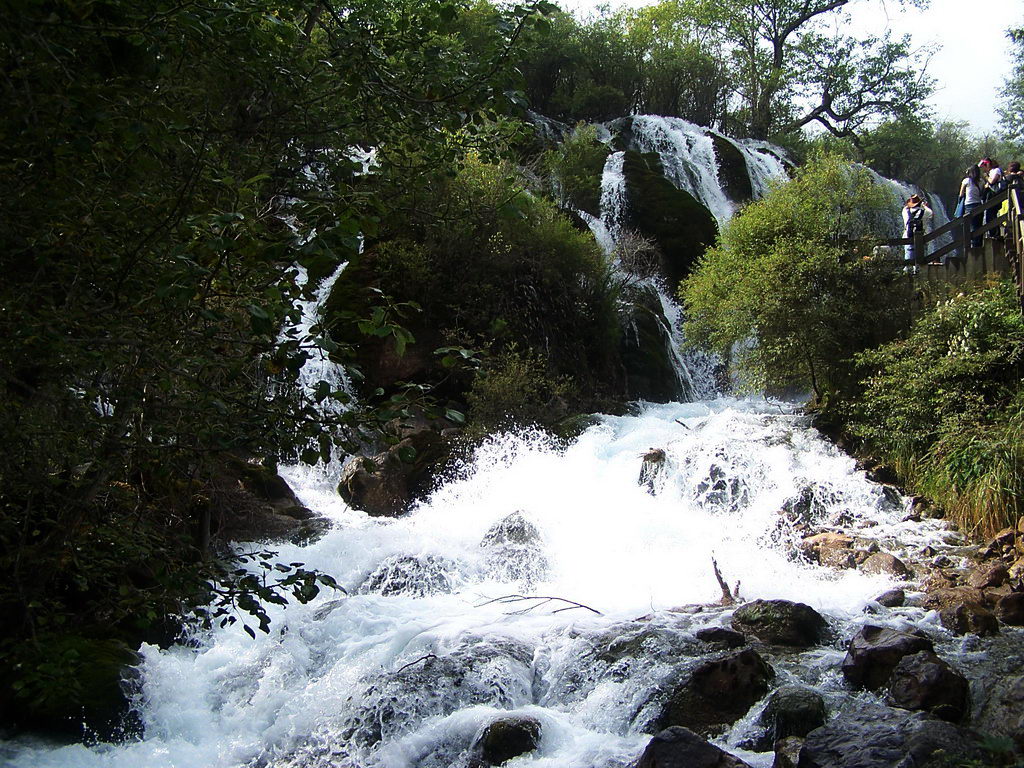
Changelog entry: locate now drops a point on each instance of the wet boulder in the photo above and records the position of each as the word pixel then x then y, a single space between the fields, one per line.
pixel 923 681
pixel 732 170
pixel 1010 609
pixel 506 738
pixel 514 550
pixel 387 484
pixel 409 575
pixel 884 563
pixel 880 738
pixel 477 671
pixel 680 224
pixel 718 692
pixel 651 468
pixel 721 637
pixel 994 575
pixel 893 598
pixel 678 747
pixel 787 752
pixel 1002 709
pixel 780 622
pixel 969 618
pixel 874 652
pixel 645 346
pixel 793 710
pixel 721 489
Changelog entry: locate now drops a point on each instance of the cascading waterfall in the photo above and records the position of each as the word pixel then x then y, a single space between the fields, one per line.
pixel 764 164
pixel 892 221
pixel 688 157
pixel 507 589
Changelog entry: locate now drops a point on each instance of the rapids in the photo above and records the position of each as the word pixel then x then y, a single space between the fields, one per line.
pixel 422 652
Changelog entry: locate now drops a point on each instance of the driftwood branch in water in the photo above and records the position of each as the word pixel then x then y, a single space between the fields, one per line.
pixel 413 663
pixel 539 600
pixel 728 598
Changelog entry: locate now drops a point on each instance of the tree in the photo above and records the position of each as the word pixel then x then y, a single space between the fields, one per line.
pixel 789 73
pixel 1011 112
pixel 784 293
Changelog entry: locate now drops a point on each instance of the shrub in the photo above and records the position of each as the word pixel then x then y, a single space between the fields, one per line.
pixel 783 286
pixel 946 406
pixel 577 166
pixel 515 390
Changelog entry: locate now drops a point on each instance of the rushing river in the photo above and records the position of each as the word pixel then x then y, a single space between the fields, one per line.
pixel 429 645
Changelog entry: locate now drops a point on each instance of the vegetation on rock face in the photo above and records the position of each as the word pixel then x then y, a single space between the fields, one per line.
pixel 491 265
pixel 945 407
pixel 166 165
pixel 576 166
pixel 786 293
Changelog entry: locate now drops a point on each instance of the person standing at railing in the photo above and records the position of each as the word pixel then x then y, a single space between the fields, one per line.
pixel 994 184
pixel 1014 177
pixel 917 218
pixel 970 198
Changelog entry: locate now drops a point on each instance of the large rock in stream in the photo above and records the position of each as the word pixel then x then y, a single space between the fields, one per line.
pixel 880 738
pixel 506 738
pixel 678 747
pixel 874 653
pixel 780 622
pixel 718 692
pixel 923 681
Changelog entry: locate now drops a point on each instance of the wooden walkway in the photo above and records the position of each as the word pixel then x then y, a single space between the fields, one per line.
pixel 1001 251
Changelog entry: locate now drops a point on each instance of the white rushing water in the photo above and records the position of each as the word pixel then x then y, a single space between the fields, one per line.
pixel 421 654
pixel 504 590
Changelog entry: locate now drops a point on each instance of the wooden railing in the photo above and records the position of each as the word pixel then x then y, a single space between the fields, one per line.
pixel 962 230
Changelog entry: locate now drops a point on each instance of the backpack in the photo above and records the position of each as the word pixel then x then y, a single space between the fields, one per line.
pixel 915 220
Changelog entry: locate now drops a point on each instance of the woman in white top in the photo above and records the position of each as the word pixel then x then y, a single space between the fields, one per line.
pixel 970 191
pixel 917 217
pixel 994 184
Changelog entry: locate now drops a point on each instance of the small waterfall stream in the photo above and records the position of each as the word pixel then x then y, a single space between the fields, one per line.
pixel 504 590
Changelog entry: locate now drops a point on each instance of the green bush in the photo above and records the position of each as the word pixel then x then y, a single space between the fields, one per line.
pixel 945 406
pixel 514 390
pixel 577 165
pixel 785 293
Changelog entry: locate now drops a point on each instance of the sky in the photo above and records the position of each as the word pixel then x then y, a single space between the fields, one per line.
pixel 973 55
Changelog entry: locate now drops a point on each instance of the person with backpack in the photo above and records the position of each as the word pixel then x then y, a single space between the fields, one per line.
pixel 994 183
pixel 917 217
pixel 970 198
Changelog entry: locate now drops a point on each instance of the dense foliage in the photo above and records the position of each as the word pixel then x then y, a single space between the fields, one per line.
pixel 170 172
pixel 491 265
pixel 786 292
pixel 753 68
pixel 946 407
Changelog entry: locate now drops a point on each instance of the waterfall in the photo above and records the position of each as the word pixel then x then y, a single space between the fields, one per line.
pixel 891 222
pixel 613 202
pixel 765 164
pixel 688 158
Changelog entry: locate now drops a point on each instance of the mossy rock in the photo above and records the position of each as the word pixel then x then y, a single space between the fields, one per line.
pixel 733 173
pixel 650 374
pixel 679 223
pixel 70 683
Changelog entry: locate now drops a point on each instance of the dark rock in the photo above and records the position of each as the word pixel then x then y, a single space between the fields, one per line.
pixel 733 173
pixel 874 653
pixel 1002 710
pixel 645 347
pixel 883 562
pixel 793 710
pixel 1010 609
pixel 718 693
pixel 682 227
pixel 892 497
pixel 780 622
pixel 988 576
pixel 973 618
pixel 508 737
pixel 408 575
pixel 375 485
pixel 894 598
pixel 678 747
pixel 889 739
pixel 787 752
pixel 726 638
pixel 385 485
pixel 923 681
